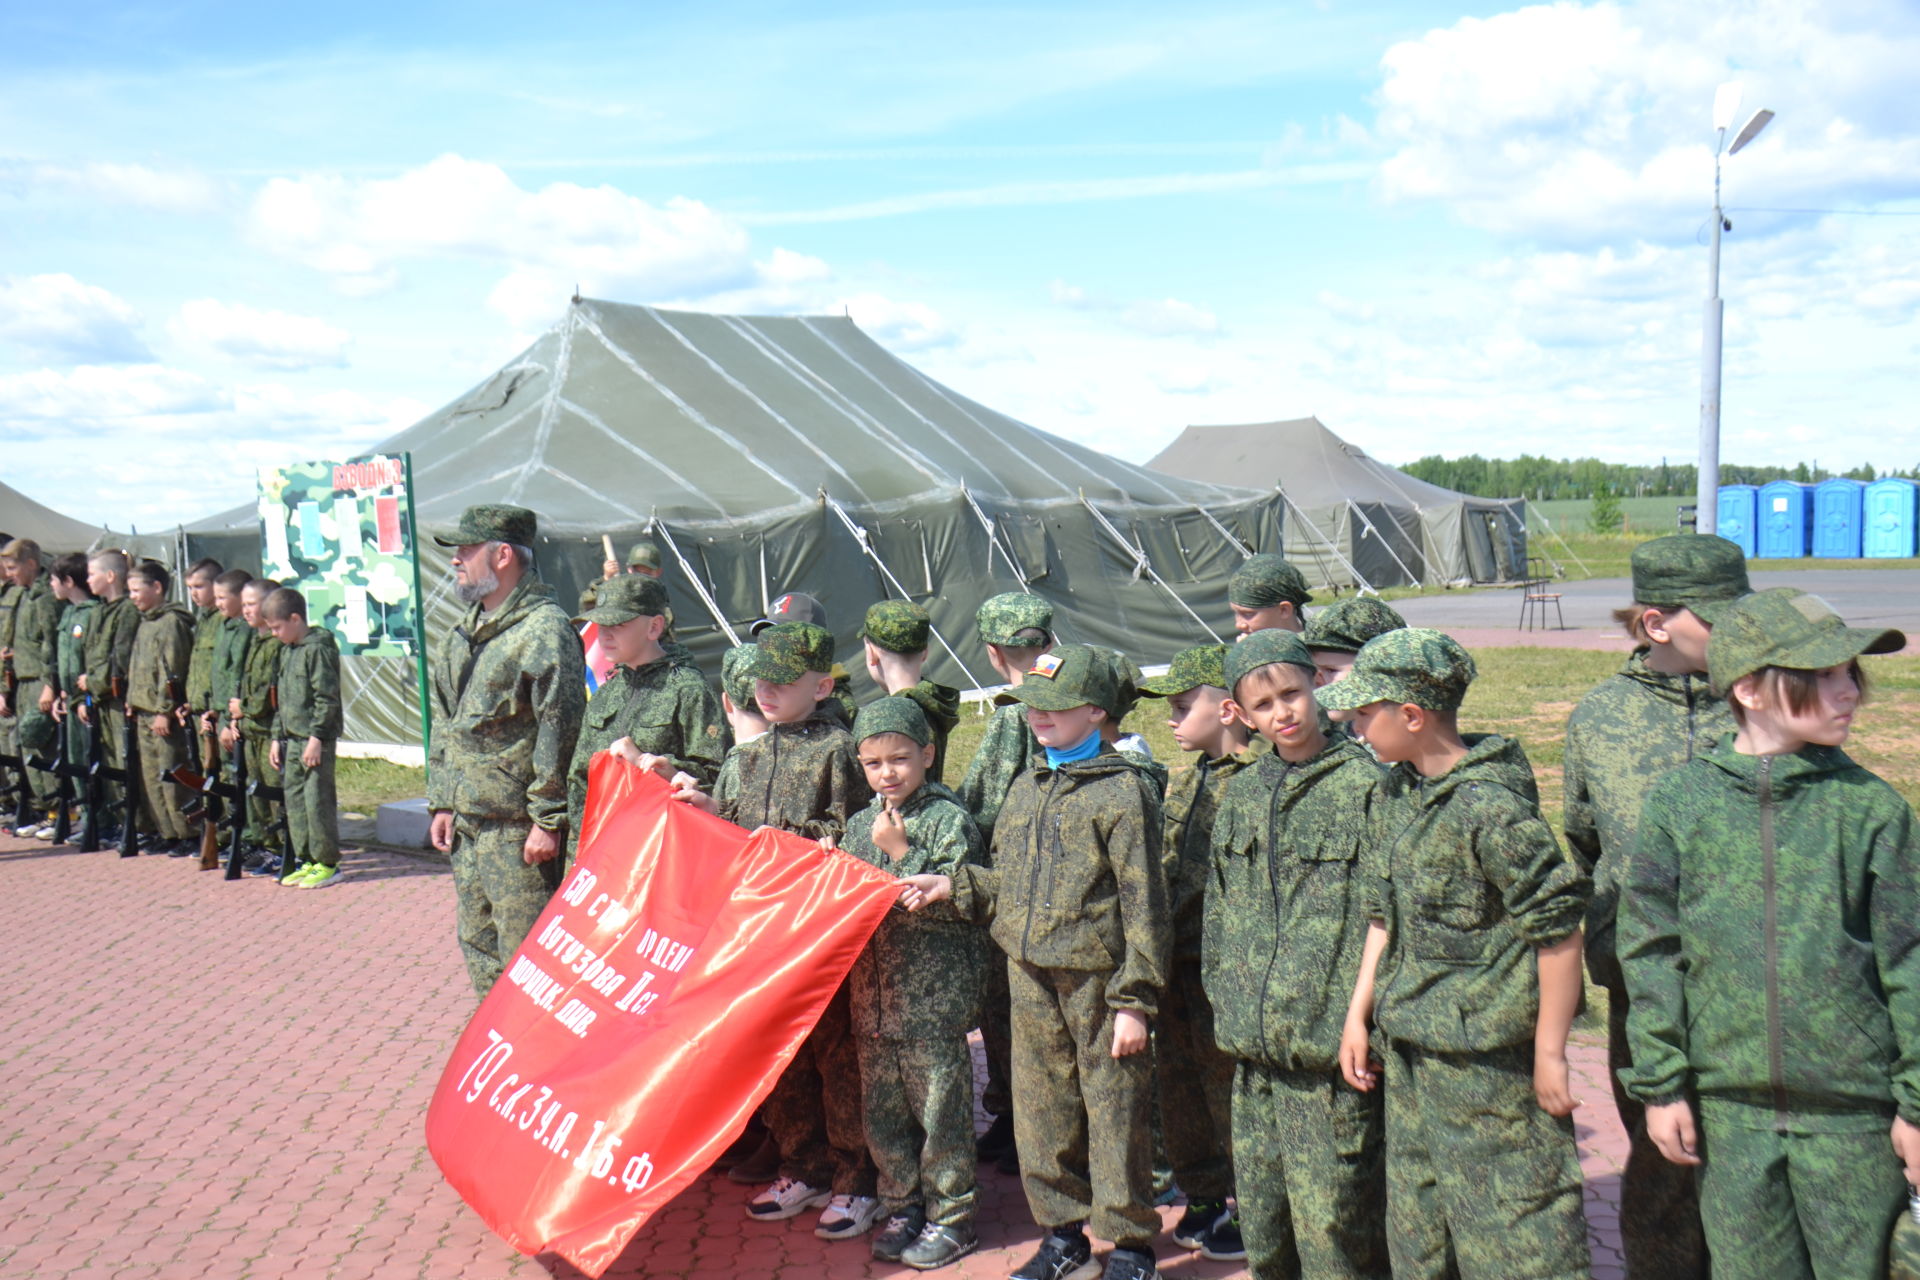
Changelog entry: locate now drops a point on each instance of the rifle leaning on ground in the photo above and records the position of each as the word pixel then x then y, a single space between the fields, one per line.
pixel 64 772
pixel 93 774
pixel 210 817
pixel 230 797
pixel 129 773
pixel 16 764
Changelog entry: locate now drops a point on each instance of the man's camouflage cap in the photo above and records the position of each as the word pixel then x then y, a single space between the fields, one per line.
pixel 1203 664
pixel 1002 619
pixel 1267 580
pixel 1787 627
pixel 1263 648
pixel 795 606
pixel 625 598
pixel 644 555
pixel 1346 625
pixel 1696 571
pixel 493 522
pixel 736 674
pixel 788 650
pixel 898 626
pixel 892 715
pixel 1073 675
pixel 1414 664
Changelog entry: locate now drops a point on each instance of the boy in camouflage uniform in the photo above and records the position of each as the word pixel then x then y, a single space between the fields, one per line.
pixel 156 690
pixel 1339 631
pixel 1077 898
pixel 31 648
pixel 643 560
pixel 896 635
pixel 1634 729
pixel 1016 627
pixel 1284 926
pixel 1769 931
pixel 306 711
pixel 104 680
pixel 1195 1077
pixel 69 579
pixel 1266 591
pixel 253 715
pixel 803 776
pixel 1474 951
pixel 228 665
pixel 915 993
pixel 798 606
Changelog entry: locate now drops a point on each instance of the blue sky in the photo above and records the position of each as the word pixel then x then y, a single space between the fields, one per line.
pixel 254 235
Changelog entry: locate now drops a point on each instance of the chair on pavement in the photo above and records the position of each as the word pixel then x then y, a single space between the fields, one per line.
pixel 1534 598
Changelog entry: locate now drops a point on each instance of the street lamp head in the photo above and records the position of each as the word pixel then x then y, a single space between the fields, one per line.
pixel 1750 130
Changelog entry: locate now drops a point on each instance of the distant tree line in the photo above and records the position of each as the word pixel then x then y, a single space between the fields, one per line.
pixel 1544 478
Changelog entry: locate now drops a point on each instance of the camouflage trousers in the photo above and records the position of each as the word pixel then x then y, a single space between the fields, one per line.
pixel 1481 1183
pixel 1083 1118
pixel 1309 1162
pixel 814 1111
pixel 160 795
pixel 996 1036
pixel 1196 1088
pixel 919 1117
pixel 263 815
pixel 313 809
pixel 1789 1205
pixel 108 717
pixel 497 896
pixel 37 736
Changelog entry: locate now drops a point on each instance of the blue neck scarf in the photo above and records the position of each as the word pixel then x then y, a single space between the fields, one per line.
pixel 1087 750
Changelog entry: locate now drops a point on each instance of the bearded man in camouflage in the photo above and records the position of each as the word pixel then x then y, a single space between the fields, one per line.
pixel 509 690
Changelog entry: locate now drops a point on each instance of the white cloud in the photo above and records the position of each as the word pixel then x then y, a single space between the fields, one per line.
pixel 93 394
pixel 262 339
pixel 1160 317
pixel 57 318
pixel 168 191
pixel 901 326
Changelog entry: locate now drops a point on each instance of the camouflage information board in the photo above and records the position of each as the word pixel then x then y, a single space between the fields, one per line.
pixel 341 533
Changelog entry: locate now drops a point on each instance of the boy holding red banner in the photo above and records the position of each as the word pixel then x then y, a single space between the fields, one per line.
pixel 915 993
pixel 803 776
pixel 1086 962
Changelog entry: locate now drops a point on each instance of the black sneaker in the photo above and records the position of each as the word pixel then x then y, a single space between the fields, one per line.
pixel 938 1245
pixel 997 1140
pixel 1201 1217
pixel 1223 1242
pixel 1129 1264
pixel 899 1231
pixel 183 848
pixel 1059 1257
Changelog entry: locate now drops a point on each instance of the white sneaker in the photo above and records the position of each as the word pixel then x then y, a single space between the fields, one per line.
pixel 847 1217
pixel 785 1198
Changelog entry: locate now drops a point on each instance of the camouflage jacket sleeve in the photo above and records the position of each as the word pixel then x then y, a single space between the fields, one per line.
pixel 559 694
pixel 309 701
pixel 1654 961
pixel 1005 752
pixel 844 792
pixel 158 667
pixel 36 633
pixel 726 783
pixel 441 664
pixel 1146 917
pixel 110 645
pixel 206 637
pixel 1896 946
pixel 1580 824
pixel 1544 892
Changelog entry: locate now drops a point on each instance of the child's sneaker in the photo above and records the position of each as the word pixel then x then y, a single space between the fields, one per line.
pixel 1061 1256
pixel 46 833
pixel 318 877
pixel 846 1217
pixel 1130 1264
pixel 901 1230
pixel 1223 1243
pixel 294 880
pixel 1201 1217
pixel 785 1198
pixel 938 1245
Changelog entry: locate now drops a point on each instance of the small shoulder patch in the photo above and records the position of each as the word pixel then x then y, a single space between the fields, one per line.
pixel 1045 665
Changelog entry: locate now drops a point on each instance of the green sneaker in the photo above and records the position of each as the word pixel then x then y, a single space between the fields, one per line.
pixel 297 878
pixel 320 877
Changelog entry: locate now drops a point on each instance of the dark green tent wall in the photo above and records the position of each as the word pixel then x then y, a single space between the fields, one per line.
pixel 794 453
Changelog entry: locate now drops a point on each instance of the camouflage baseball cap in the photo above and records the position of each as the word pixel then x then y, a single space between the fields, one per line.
pixel 1262 649
pixel 1695 571
pixel 1267 580
pixel 1126 678
pixel 789 650
pixel 892 715
pixel 625 598
pixel 898 626
pixel 644 555
pixel 1412 665
pixel 794 606
pixel 493 522
pixel 1191 668
pixel 1002 619
pixel 1073 675
pixel 1787 627
pixel 1346 625
pixel 736 674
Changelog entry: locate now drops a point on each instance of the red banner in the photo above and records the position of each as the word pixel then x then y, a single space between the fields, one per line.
pixel 665 988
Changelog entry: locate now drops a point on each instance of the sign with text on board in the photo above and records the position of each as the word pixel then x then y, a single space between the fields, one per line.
pixel 651 1009
pixel 341 533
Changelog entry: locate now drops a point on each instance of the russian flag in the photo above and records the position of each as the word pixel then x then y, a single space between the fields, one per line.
pixel 599 665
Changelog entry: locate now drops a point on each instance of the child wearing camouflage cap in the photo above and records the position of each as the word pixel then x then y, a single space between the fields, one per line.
pixel 1634 729
pixel 1472 973
pixel 915 992
pixel 1267 592
pixel 895 636
pixel 1077 898
pixel 1195 1078
pixel 1285 921
pixel 1769 933
pixel 1339 631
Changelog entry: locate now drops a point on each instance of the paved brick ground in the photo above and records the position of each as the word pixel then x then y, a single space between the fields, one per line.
pixel 212 1081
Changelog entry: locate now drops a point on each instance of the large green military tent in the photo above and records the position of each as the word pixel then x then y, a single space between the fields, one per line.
pixel 1351 519
pixel 767 454
pixel 59 534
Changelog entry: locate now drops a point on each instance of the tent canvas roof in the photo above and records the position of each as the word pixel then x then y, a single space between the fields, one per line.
pixel 22 517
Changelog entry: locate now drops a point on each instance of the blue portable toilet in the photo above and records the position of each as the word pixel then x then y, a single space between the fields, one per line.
pixel 1738 508
pixel 1887 523
pixel 1836 518
pixel 1786 521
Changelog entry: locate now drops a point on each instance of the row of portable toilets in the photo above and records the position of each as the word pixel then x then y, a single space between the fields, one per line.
pixel 1835 519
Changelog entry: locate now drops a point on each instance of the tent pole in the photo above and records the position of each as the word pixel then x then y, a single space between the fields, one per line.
pixel 993 540
pixel 1144 565
pixel 1359 580
pixel 699 587
pixel 866 545
pixel 1557 538
pixel 1355 508
pixel 1246 552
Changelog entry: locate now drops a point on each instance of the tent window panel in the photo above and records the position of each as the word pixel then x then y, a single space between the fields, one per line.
pixel 902 545
pixel 1027 539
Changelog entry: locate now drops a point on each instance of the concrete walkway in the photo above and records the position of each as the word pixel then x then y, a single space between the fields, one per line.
pixel 213 1081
